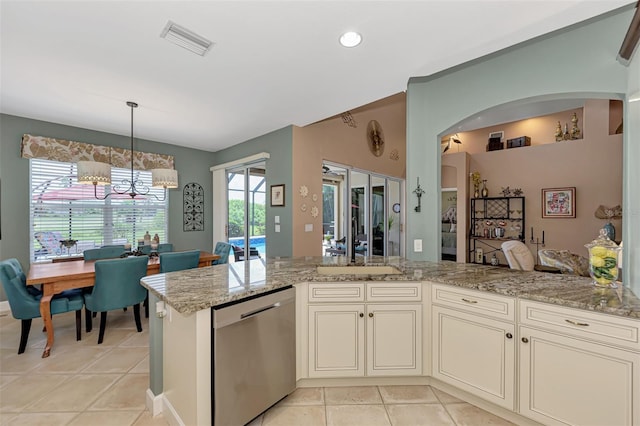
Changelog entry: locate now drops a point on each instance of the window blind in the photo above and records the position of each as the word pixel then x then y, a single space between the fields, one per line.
pixel 61 209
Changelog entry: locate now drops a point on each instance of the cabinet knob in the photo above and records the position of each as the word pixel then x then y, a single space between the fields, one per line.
pixel 361 315
pixel 525 340
pixel 370 314
pixel 509 335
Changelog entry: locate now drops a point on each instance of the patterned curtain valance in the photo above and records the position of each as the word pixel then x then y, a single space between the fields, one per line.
pixel 72 152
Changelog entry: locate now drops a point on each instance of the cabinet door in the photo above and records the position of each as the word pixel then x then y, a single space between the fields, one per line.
pixel 570 381
pixel 394 340
pixel 336 340
pixel 474 353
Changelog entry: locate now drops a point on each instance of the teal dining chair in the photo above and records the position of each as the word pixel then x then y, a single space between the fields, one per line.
pixel 222 249
pixel 117 285
pixel 107 252
pixel 24 300
pixel 178 261
pixel 162 248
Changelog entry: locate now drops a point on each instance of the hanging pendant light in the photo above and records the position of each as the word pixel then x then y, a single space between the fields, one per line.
pixel 98 173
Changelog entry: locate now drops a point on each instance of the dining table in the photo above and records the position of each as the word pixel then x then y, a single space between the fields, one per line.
pixel 58 277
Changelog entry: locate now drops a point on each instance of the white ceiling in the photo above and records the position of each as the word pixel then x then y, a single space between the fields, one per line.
pixel 273 63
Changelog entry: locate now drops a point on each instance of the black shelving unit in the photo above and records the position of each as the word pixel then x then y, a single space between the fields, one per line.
pixel 489 213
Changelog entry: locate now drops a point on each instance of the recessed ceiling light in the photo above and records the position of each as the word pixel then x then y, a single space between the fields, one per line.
pixel 186 38
pixel 350 39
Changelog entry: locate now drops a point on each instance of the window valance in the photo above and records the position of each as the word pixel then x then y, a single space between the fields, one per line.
pixel 72 152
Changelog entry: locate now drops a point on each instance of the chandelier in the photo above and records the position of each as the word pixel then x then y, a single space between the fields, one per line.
pixel 98 173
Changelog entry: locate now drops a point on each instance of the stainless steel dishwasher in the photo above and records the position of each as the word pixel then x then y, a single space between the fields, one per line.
pixel 253 356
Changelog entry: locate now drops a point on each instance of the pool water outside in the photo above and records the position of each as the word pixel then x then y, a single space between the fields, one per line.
pixel 258 242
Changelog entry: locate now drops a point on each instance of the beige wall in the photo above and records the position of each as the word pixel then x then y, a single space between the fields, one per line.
pixel 333 140
pixel 593 165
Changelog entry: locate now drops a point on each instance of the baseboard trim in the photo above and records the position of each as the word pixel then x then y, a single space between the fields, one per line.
pixel 154 403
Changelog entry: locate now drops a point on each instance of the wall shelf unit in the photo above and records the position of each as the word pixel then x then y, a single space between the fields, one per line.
pixel 491 213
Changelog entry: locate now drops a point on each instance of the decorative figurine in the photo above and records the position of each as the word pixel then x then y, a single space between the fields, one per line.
pixel 485 191
pixel 566 135
pixel 475 178
pixel 575 132
pixel 517 192
pixel 505 191
pixel 558 134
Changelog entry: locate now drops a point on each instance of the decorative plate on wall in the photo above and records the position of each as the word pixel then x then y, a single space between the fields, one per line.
pixel 193 207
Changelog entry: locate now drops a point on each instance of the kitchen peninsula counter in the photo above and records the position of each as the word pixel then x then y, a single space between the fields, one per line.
pixel 193 290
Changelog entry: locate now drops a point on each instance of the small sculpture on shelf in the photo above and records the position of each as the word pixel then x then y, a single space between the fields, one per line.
pixel 517 192
pixel 475 178
pixel 558 134
pixel 505 191
pixel 485 191
pixel 575 132
pixel 566 135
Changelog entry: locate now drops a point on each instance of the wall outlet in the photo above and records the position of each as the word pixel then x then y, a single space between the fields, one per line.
pixel 417 246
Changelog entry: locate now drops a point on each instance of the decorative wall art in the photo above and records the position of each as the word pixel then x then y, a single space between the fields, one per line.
pixel 193 207
pixel 277 195
pixel 559 202
pixel 375 138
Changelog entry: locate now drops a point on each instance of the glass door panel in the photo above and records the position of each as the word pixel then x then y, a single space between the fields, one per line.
pixel 393 218
pixel 378 216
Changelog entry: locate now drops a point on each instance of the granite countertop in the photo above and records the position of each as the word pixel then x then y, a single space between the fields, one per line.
pixel 202 288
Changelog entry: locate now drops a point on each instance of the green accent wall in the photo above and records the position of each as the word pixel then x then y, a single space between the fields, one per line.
pixel 579 62
pixel 279 145
pixel 192 165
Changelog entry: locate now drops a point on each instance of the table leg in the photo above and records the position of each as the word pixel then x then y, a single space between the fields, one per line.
pixel 45 313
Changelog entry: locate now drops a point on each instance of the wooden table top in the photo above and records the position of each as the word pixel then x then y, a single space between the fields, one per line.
pixel 43 273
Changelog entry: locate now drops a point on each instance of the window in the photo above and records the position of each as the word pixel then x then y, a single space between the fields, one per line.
pixel 62 210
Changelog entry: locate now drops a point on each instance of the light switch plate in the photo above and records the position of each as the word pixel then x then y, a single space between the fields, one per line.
pixel 277 219
pixel 277 227
pixel 417 246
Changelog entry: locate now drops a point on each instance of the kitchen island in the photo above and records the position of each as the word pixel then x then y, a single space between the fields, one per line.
pixel 553 317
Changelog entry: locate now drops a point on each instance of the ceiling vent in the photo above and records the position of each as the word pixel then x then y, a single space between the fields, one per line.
pixel 186 38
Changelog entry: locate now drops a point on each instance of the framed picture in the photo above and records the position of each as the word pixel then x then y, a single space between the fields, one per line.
pixel 559 202
pixel 277 195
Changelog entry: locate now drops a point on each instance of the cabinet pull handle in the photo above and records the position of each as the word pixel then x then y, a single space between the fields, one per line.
pixel 370 314
pixel 581 324
pixel 361 315
pixel 509 335
pixel 525 340
pixel 469 301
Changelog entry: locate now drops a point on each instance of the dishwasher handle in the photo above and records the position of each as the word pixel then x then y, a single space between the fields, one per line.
pixel 260 310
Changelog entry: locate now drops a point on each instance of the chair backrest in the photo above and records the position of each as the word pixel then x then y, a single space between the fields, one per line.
pixel 178 261
pixel 103 253
pixel 222 249
pixel 518 255
pixel 117 284
pixel 165 248
pixel 121 246
pixel 24 305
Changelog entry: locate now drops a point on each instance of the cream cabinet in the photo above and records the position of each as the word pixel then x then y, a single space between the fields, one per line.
pixel 578 367
pixel 473 350
pixel 381 336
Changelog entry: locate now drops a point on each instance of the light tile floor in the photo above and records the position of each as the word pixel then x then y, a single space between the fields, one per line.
pixel 83 383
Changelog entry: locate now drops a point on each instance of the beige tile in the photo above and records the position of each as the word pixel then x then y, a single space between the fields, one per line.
pixel 11 362
pixel 69 361
pixel 112 418
pixel 470 415
pixel 37 419
pixel 112 336
pixel 445 398
pixel 305 396
pixel 356 415
pixel 142 366
pixel 419 414
pixel 119 360
pixel 352 395
pixel 4 379
pixel 294 416
pixel 75 394
pixel 407 394
pixel 145 419
pixel 20 393
pixel 137 340
pixel 127 394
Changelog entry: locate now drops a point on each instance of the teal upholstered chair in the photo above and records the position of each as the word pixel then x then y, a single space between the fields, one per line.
pixel 107 252
pixel 121 246
pixel 25 300
pixel 117 285
pixel 162 248
pixel 178 261
pixel 222 249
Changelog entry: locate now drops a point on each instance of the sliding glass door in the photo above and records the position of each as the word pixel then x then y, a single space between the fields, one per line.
pixel 246 204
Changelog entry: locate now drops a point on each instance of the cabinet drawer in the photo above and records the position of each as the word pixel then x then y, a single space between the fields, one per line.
pixel 394 292
pixel 336 292
pixel 590 325
pixel 499 307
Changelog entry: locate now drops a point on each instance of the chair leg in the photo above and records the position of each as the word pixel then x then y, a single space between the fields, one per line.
pixel 103 323
pixel 88 315
pixel 78 324
pixel 136 315
pixel 24 335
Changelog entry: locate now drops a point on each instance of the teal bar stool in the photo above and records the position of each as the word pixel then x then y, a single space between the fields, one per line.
pixel 25 300
pixel 117 286
pixel 222 249
pixel 178 261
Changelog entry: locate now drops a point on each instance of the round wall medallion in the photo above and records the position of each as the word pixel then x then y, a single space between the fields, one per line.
pixel 396 207
pixel 303 207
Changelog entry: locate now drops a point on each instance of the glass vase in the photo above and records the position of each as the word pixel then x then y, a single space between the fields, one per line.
pixel 603 260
